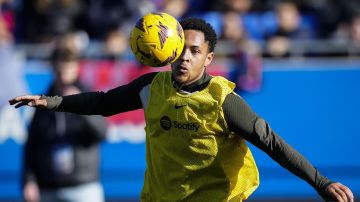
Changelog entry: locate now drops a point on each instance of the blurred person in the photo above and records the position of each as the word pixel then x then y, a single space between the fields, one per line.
pixel 61 154
pixel 176 8
pixel 105 15
pixel 245 53
pixel 350 36
pixel 116 45
pixel 355 31
pixel 239 6
pixel 278 47
pixel 45 19
pixel 289 19
pixel 290 27
pixel 8 15
pixel 11 65
pixel 334 14
pixel 196 127
pixel 255 23
pixel 75 42
pixel 6 37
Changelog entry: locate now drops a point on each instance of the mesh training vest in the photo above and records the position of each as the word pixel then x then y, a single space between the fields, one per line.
pixel 191 155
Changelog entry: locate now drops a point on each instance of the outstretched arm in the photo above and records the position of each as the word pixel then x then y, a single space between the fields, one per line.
pixel 243 121
pixel 120 99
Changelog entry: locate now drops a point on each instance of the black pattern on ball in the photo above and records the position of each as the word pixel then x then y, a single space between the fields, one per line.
pixel 170 58
pixel 140 24
pixel 162 34
pixel 179 31
pixel 158 13
pixel 140 51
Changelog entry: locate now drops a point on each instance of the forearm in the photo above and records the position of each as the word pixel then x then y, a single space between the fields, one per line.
pixel 243 121
pixel 268 141
pixel 94 103
pixel 84 103
pixel 121 99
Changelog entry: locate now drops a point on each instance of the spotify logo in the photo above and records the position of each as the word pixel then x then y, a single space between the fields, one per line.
pixel 165 123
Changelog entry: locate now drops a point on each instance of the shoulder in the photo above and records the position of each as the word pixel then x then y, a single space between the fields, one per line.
pixel 233 99
pixel 148 77
pixel 144 80
pixel 223 83
pixel 220 87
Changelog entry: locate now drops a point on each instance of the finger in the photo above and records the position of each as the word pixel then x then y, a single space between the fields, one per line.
pixel 334 194
pixel 31 103
pixel 13 101
pixel 348 193
pixel 341 194
pixel 21 104
pixel 25 98
pixel 17 99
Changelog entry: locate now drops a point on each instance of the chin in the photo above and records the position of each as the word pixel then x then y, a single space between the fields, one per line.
pixel 180 80
pixel 179 77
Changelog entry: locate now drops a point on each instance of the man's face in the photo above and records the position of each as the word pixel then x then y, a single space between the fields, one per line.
pixel 190 66
pixel 67 72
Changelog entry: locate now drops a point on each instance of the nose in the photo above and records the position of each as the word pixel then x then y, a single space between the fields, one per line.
pixel 184 55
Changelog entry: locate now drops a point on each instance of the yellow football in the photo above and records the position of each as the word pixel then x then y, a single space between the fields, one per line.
pixel 157 39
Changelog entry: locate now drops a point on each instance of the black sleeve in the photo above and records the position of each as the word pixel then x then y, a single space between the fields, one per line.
pixel 121 99
pixel 242 120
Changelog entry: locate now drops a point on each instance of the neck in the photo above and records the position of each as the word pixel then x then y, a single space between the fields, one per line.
pixel 195 86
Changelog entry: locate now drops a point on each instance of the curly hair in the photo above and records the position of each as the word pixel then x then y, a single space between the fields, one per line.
pixel 203 26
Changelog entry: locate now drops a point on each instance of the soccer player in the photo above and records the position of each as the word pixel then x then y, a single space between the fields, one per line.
pixel 196 127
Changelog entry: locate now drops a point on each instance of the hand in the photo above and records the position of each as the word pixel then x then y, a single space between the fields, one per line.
pixel 339 192
pixel 29 100
pixel 31 192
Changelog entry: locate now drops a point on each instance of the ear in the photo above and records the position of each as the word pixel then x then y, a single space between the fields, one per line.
pixel 209 58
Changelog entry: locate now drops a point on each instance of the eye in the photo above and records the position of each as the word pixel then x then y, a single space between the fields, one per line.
pixel 196 51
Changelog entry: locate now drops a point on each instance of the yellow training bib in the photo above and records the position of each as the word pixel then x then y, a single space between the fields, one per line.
pixel 191 154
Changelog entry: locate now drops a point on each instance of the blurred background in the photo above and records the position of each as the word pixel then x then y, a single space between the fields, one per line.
pixel 295 62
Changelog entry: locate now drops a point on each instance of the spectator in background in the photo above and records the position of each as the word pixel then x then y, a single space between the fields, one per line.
pixel 106 15
pixel 355 31
pixel 334 14
pixel 61 155
pixel 246 54
pixel 6 26
pixel 7 15
pixel 11 62
pixel 239 6
pixel 353 42
pixel 176 8
pixel 254 22
pixel 45 19
pixel 76 42
pixel 290 26
pixel 239 29
pixel 116 45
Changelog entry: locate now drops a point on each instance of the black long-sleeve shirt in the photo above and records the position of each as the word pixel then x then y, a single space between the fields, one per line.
pixel 241 119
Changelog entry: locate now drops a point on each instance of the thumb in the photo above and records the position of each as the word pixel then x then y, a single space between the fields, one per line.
pixel 38 103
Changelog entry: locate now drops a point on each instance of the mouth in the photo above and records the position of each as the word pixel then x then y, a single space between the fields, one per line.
pixel 182 69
